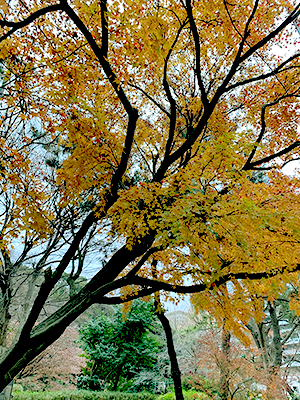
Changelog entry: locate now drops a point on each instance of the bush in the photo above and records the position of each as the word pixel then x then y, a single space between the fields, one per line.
pixel 187 394
pixel 17 387
pixel 156 381
pixel 81 395
pixel 90 383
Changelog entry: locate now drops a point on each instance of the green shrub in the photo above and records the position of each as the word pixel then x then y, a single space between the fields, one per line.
pixel 80 395
pixel 93 382
pixel 187 394
pixel 17 387
pixel 167 396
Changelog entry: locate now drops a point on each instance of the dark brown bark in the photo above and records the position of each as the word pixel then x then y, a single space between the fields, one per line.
pixel 175 370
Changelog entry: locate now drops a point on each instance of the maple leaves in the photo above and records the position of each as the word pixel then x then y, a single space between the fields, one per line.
pixel 155 116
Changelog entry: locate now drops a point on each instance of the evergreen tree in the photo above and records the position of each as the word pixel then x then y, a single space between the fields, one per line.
pixel 122 349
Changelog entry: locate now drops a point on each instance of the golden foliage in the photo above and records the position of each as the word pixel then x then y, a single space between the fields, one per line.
pixel 214 103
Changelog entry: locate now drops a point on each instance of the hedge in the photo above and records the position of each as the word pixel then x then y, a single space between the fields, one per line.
pixel 80 395
pixel 187 394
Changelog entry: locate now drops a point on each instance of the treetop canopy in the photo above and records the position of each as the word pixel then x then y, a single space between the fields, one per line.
pixel 149 121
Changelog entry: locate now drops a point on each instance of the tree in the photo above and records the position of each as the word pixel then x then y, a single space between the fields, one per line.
pixel 228 370
pixel 271 320
pixel 161 111
pixel 118 347
pixel 57 367
pixel 276 336
pixel 175 370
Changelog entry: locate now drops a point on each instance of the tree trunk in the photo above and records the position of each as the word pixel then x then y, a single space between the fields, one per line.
pixel 6 271
pixel 4 319
pixel 33 341
pixel 277 345
pixel 224 365
pixel 6 392
pixel 175 371
pixel 258 333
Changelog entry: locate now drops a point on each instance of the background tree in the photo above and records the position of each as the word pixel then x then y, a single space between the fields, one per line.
pixel 276 336
pixel 56 368
pixel 161 126
pixel 120 347
pixel 266 323
pixel 232 374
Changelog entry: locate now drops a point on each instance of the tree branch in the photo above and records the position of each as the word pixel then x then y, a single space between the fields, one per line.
pixel 121 299
pixel 248 165
pixel 150 98
pixel 158 285
pixel 271 35
pixel 238 60
pixel 275 71
pixel 280 153
pixel 27 21
pixel 131 111
pixel 170 98
pixel 104 27
pixel 197 50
